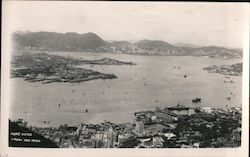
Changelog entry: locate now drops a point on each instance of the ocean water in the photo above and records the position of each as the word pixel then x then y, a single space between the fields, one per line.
pixel 153 82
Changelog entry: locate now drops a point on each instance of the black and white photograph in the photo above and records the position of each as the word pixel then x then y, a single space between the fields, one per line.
pixel 114 75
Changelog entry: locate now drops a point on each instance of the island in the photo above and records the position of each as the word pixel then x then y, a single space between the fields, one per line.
pixel 49 68
pixel 234 69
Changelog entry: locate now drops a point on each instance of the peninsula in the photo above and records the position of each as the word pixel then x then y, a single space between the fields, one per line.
pixel 234 69
pixel 52 68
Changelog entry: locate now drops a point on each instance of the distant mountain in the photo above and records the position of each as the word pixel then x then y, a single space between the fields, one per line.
pixel 158 47
pixel 186 45
pixel 120 43
pixel 154 44
pixel 220 52
pixel 50 41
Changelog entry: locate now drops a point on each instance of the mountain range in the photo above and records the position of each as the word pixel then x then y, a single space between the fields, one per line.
pixel 51 41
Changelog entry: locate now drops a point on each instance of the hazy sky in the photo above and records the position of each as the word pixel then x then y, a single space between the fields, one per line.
pixel 195 23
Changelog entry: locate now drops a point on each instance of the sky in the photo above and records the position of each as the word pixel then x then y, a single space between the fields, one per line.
pixel 206 24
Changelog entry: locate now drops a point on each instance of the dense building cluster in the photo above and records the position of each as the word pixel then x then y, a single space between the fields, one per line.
pixel 171 127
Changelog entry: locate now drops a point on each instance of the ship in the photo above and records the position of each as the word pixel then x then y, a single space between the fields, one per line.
pixel 196 100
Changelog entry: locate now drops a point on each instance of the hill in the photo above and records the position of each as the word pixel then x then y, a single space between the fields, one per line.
pixel 154 44
pixel 51 41
pixel 21 136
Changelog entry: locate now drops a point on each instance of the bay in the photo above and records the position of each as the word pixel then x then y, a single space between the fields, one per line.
pixel 156 81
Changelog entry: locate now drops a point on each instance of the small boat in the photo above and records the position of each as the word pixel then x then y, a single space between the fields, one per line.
pixel 227 81
pixel 46 122
pixel 196 100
